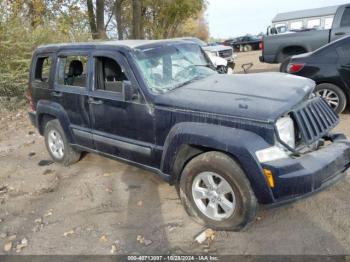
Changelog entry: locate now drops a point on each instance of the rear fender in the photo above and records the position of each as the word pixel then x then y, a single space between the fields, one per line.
pixel 55 110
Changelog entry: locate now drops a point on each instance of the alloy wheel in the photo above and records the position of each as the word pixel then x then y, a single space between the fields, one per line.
pixel 56 144
pixel 213 196
pixel 330 97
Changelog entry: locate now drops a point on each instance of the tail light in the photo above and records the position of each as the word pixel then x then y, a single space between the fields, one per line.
pixel 30 97
pixel 295 67
pixel 261 45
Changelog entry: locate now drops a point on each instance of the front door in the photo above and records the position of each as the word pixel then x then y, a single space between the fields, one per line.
pixel 120 128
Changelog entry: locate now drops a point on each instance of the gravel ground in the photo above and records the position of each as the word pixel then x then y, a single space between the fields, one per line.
pixel 102 206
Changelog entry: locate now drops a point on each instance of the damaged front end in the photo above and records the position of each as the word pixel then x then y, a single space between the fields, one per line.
pixel 307 157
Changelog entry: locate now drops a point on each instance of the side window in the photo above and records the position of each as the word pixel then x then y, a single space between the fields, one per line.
pixel 328 23
pixel 345 20
pixel 42 69
pixel 109 75
pixel 72 71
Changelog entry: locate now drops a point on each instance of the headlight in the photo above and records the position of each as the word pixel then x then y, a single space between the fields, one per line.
pixel 286 132
pixel 270 154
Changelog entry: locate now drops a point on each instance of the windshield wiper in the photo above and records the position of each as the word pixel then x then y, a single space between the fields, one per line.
pixel 185 83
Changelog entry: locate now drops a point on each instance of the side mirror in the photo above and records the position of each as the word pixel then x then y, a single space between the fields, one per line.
pixel 129 92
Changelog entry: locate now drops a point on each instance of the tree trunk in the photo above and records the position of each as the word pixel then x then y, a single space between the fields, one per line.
pixel 136 19
pixel 118 18
pixel 100 21
pixel 92 19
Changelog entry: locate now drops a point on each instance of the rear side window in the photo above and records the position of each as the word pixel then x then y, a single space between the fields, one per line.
pixel 72 71
pixel 345 20
pixel 42 69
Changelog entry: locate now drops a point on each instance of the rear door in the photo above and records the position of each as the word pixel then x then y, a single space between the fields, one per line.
pixel 71 92
pixel 341 24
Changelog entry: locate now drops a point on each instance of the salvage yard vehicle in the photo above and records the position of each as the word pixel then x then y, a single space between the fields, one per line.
pixel 217 50
pixel 245 43
pixel 329 67
pixel 278 48
pixel 227 142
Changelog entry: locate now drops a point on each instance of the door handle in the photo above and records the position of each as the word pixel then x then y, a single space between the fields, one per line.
pixel 340 33
pixel 345 66
pixel 94 101
pixel 56 93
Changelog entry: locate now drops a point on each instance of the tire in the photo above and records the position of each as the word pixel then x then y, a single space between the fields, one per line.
pixel 55 140
pixel 332 94
pixel 284 65
pixel 224 168
pixel 247 48
pixel 222 69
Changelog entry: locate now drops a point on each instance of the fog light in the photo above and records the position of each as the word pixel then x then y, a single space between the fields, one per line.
pixel 269 177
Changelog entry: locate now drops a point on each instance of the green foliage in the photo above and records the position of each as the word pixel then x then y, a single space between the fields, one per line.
pixel 18 40
pixel 26 24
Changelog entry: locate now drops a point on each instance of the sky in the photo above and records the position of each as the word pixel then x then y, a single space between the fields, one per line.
pixel 229 18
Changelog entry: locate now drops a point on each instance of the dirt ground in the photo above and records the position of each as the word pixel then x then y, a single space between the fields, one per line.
pixel 102 206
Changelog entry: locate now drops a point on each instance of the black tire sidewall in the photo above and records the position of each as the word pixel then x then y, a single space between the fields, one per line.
pixel 227 168
pixel 340 93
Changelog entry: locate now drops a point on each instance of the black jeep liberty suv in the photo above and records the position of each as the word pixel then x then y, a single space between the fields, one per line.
pixel 227 142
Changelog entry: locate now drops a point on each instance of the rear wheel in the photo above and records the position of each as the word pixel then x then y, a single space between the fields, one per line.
pixel 215 192
pixel 247 48
pixel 57 144
pixel 333 95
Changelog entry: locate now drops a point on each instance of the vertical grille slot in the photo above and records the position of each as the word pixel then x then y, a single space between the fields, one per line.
pixel 315 120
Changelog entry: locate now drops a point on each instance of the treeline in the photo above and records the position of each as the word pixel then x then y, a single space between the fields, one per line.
pixel 25 24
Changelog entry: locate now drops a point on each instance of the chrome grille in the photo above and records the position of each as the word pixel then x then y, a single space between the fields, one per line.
pixel 226 53
pixel 315 120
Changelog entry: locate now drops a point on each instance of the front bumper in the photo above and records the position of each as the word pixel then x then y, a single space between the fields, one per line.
pixel 312 172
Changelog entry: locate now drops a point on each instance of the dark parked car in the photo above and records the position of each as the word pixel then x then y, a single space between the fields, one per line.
pixel 329 67
pixel 224 143
pixel 245 43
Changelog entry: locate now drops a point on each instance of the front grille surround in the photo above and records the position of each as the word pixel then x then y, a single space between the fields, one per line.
pixel 314 120
pixel 225 53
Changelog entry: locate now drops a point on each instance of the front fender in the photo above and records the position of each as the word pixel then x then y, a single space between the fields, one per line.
pixel 45 107
pixel 239 143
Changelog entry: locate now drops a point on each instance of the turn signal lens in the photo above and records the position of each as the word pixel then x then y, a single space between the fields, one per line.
pixel 269 177
pixel 295 68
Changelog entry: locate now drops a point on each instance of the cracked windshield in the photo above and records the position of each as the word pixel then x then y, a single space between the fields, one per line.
pixel 168 67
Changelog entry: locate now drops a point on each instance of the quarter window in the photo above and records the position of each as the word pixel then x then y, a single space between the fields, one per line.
pixel 72 71
pixel 42 69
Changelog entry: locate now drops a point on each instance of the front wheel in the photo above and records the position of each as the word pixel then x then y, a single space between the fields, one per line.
pixel 333 95
pixel 215 192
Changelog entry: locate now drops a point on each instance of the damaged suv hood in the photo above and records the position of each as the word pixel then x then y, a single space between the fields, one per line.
pixel 262 96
